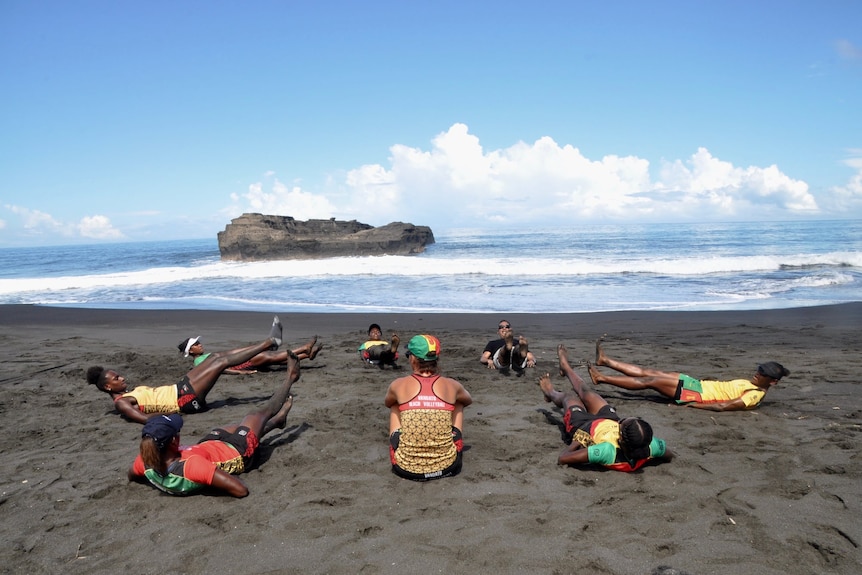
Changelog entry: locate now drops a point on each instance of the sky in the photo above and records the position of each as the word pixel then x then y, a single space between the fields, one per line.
pixel 139 121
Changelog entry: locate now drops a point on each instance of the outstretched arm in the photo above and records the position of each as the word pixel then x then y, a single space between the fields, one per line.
pixel 732 405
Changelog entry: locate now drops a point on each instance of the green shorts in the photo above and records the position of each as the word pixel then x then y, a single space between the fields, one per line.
pixel 688 390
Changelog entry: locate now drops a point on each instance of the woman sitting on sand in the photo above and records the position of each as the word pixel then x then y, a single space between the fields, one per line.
pixel 186 396
pixel 734 395
pixel 192 347
pixel 594 431
pixel 213 462
pixel 426 416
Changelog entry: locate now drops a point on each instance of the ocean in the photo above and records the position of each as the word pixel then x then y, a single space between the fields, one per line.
pixel 589 268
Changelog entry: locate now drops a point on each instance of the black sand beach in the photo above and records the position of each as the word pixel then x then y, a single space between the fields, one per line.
pixel 775 491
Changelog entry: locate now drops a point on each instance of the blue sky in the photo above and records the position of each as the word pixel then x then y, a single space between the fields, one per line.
pixel 127 121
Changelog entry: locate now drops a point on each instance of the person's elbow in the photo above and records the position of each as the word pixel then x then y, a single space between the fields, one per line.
pixel 565 459
pixel 236 488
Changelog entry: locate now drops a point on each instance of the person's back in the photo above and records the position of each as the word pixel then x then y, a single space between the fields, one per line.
pixel 445 388
pixel 426 416
pixel 425 408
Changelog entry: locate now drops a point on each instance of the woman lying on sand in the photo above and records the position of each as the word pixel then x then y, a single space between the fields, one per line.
pixel 734 395
pixel 187 395
pixel 595 432
pixel 214 461
pixel 194 348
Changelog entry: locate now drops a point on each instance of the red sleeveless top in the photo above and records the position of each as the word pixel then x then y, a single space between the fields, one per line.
pixel 426 398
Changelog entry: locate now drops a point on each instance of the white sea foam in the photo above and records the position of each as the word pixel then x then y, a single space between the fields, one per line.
pixel 411 266
pixel 603 268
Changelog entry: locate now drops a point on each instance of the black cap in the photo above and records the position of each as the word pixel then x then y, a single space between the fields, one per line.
pixel 772 369
pixel 162 428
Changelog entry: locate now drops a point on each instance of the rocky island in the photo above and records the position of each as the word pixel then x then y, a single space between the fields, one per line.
pixel 254 237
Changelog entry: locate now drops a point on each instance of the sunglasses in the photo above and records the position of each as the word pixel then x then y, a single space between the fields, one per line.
pixel 504 326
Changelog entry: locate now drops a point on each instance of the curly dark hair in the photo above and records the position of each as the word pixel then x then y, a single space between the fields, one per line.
pixel 96 376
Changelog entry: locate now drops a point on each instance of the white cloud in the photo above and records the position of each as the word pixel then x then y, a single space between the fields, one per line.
pixel 98 228
pixel 281 200
pixel 707 183
pixel 37 222
pixel 848 198
pixel 457 183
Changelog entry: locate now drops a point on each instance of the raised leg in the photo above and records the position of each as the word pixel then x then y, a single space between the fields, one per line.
pixel 204 376
pixel 590 399
pixel 664 384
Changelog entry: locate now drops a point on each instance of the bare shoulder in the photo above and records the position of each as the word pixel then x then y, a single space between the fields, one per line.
pixel 403 387
pixel 451 381
pixel 400 382
pixel 451 390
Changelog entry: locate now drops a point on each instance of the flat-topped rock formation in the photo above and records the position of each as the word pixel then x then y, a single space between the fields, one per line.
pixel 253 237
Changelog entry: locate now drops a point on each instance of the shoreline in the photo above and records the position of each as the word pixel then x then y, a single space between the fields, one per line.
pixel 843 315
pixel 774 490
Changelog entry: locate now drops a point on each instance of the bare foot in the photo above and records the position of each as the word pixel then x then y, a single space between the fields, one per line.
pixel 595 374
pixel 292 367
pixel 307 348
pixel 547 387
pixel 280 418
pixel 523 346
pixel 314 351
pixel 601 358
pixel 394 342
pixel 563 356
